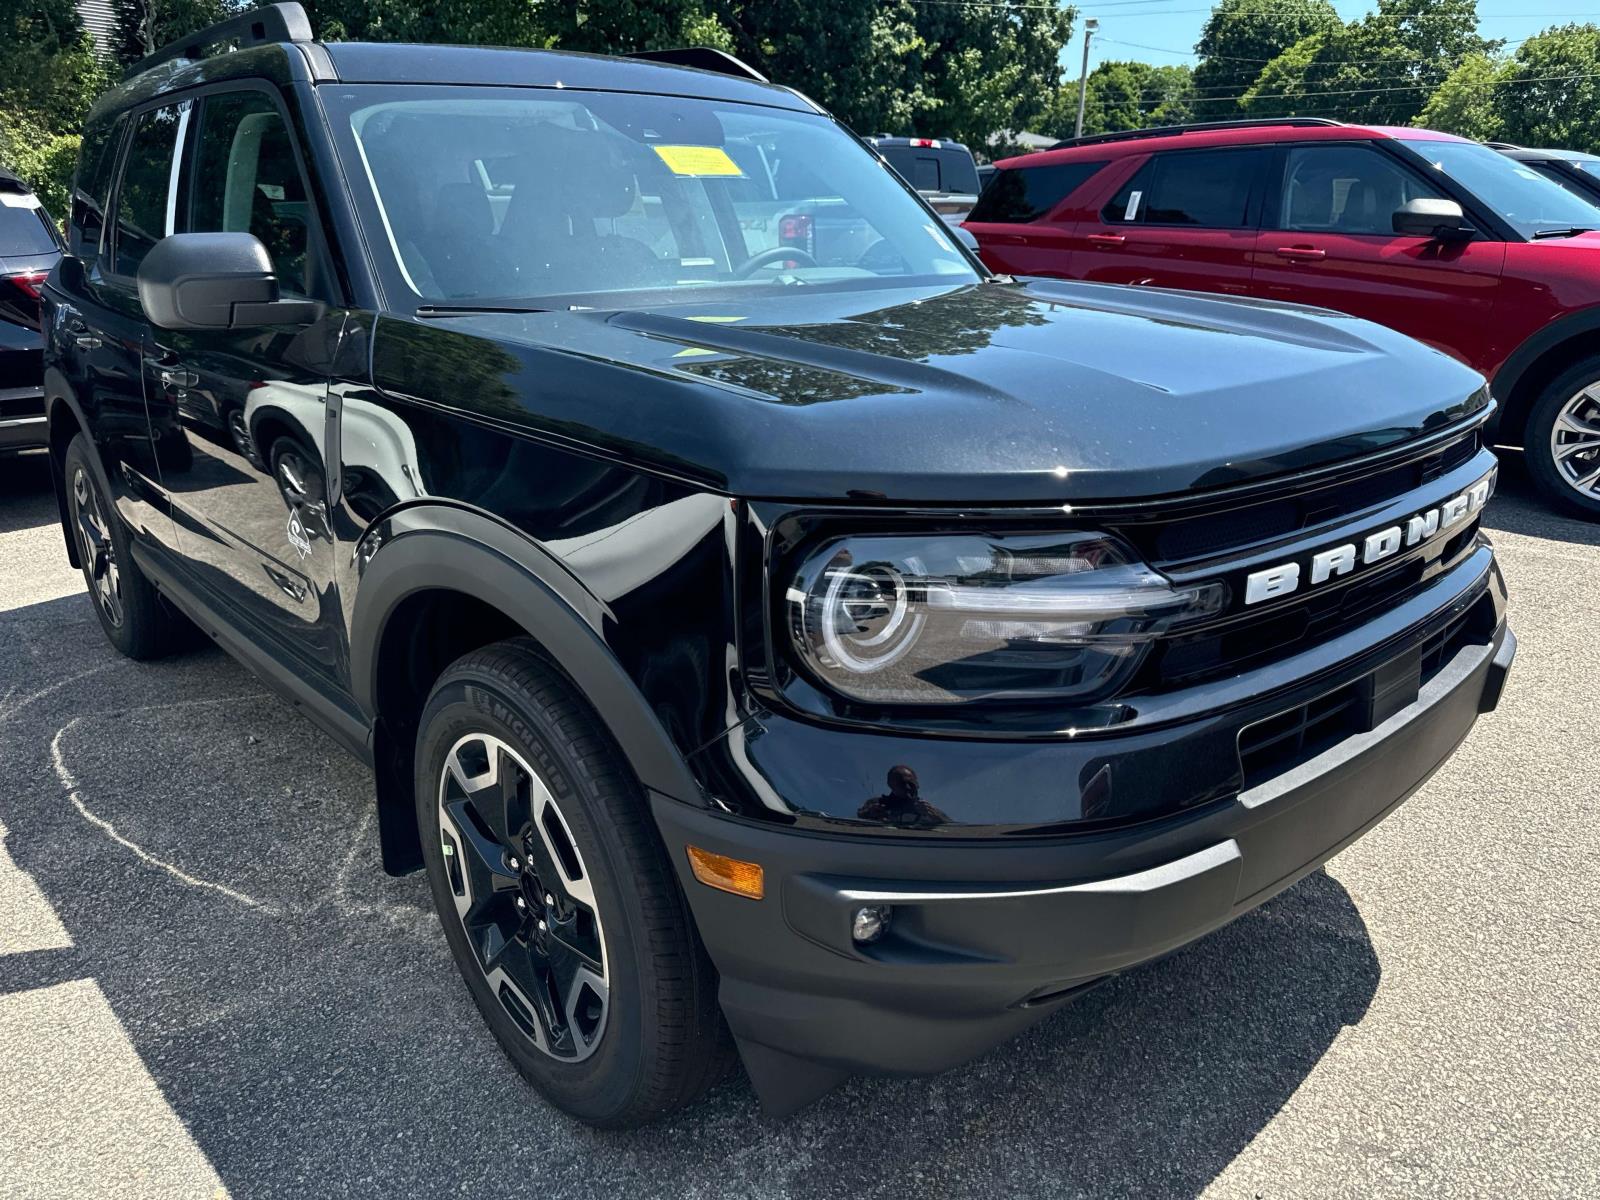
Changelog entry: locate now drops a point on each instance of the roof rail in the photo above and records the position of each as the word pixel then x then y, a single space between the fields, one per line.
pixel 1129 135
pixel 253 27
pixel 703 58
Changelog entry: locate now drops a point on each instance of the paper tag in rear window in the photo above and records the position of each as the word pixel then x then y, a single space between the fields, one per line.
pixel 698 161
pixel 1132 212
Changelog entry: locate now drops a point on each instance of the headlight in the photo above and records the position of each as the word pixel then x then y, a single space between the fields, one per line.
pixel 948 619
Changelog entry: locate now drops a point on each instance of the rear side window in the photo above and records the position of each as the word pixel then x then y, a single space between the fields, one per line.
pixel 24 225
pixel 246 180
pixel 97 159
pixel 1209 189
pixel 147 198
pixel 1021 194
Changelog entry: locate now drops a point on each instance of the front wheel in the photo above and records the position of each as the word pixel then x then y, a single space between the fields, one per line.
pixel 557 898
pixel 1563 440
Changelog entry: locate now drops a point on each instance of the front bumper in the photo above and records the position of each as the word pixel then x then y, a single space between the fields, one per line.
pixel 989 935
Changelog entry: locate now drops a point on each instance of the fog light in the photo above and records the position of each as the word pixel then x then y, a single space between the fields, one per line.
pixel 870 921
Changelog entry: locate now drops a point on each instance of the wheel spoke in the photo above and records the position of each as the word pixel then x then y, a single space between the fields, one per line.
pixel 490 883
pixel 560 848
pixel 1566 450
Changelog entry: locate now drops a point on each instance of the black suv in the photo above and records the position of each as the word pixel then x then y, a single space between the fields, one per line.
pixel 846 665
pixel 29 247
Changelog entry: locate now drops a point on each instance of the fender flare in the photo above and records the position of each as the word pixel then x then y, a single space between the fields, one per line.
pixel 427 546
pixel 1509 378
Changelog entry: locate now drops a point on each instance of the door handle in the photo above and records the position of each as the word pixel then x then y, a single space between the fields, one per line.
pixel 1303 253
pixel 177 377
pixel 1107 239
pixel 87 341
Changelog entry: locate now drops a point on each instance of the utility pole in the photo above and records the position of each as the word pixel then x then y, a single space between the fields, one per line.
pixel 1089 27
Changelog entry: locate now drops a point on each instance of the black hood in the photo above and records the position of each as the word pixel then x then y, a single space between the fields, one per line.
pixel 1028 392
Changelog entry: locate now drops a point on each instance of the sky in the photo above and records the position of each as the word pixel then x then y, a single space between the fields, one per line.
pixel 1174 25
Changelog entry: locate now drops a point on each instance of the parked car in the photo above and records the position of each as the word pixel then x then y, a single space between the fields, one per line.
pixel 29 247
pixel 846 665
pixel 1574 170
pixel 943 171
pixel 1435 236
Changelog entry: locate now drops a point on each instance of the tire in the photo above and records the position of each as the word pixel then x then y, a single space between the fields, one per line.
pixel 136 619
pixel 629 1030
pixel 1562 441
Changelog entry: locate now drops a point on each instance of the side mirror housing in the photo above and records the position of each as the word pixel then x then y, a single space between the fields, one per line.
pixel 1442 220
pixel 215 281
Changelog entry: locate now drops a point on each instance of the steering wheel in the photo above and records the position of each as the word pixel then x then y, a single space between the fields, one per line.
pixel 766 258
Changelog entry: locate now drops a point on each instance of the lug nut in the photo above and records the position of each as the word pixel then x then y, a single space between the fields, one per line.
pixel 521 903
pixel 549 900
pixel 541 927
pixel 513 863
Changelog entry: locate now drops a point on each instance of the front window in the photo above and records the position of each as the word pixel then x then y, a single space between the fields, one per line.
pixel 1514 190
pixel 561 198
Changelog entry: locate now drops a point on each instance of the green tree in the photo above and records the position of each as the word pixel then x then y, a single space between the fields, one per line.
pixel 1243 36
pixel 1465 103
pixel 1124 95
pixel 49 75
pixel 1549 93
pixel 144 26
pixel 1379 70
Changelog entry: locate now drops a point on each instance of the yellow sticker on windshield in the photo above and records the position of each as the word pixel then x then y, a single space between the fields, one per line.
pixel 698 161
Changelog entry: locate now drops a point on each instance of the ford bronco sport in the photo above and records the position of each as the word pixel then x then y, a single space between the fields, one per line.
pixel 840 665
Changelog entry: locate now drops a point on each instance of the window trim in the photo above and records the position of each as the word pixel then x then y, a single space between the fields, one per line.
pixel 1156 159
pixel 320 245
pixel 109 236
pixel 196 96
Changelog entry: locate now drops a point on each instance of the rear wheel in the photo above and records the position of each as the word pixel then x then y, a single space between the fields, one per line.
pixel 1563 440
pixel 557 898
pixel 134 616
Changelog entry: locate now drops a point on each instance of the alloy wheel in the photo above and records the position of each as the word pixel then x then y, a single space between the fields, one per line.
pixel 94 539
pixel 1575 442
pixel 524 896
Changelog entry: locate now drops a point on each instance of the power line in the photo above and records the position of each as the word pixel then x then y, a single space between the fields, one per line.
pixel 1335 62
pixel 1415 87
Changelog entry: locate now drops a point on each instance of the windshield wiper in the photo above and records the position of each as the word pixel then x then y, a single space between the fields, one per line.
pixel 1568 231
pixel 456 310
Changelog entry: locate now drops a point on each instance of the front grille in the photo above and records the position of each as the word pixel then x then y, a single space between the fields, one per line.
pixel 1215 544
pixel 1269 748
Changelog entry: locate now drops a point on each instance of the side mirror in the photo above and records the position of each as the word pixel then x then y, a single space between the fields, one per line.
pixel 1439 219
pixel 966 237
pixel 215 281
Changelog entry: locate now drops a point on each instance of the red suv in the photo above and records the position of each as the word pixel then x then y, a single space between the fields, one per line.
pixel 1436 236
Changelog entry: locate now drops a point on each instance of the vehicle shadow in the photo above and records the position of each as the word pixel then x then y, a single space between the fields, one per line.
pixel 1518 507
pixel 213 858
pixel 27 500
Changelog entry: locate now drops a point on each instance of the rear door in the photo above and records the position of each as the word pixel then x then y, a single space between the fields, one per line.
pixel 1025 218
pixel 1184 219
pixel 102 330
pixel 1328 239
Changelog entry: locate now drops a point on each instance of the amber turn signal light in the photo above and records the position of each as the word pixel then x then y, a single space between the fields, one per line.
pixel 727 874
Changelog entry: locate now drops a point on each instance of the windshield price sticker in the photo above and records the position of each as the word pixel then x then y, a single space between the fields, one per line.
pixel 698 161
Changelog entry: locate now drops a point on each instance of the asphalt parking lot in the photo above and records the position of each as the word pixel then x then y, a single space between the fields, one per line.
pixel 207 987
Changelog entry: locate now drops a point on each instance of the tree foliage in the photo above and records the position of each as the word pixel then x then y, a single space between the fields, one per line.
pixel 1243 36
pixel 1549 93
pixel 1378 70
pixel 1466 103
pixel 1124 95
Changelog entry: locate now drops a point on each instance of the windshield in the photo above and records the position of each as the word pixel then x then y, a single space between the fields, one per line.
pixel 1514 190
pixel 563 198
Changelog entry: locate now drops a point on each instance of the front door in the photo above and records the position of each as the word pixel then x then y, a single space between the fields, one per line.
pixel 251 507
pixel 1328 239
pixel 1185 219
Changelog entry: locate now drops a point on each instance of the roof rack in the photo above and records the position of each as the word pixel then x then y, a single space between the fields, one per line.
pixel 1129 135
pixel 703 58
pixel 253 27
